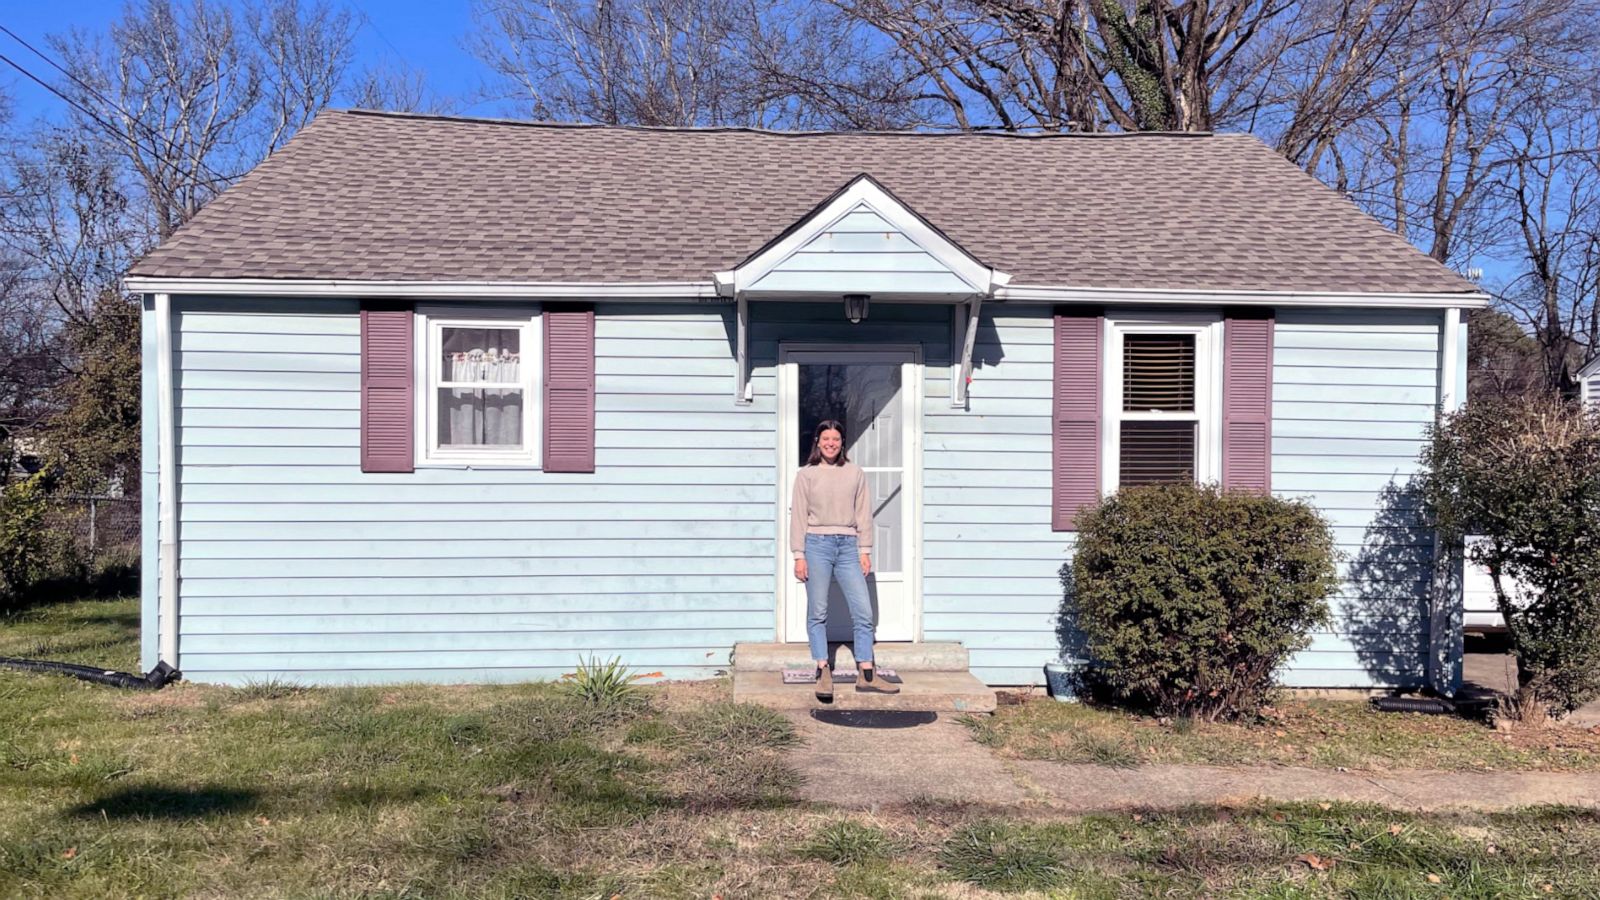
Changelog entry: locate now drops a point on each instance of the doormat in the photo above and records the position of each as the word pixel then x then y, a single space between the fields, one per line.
pixel 809 676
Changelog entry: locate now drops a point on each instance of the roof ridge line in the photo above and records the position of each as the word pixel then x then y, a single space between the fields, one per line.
pixel 734 129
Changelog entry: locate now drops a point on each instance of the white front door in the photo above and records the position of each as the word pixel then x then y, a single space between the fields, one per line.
pixel 874 392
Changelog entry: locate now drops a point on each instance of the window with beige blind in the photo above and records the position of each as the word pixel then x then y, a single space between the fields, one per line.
pixel 1162 380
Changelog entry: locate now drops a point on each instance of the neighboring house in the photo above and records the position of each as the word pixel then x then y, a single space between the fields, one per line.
pixel 461 400
pixel 1482 612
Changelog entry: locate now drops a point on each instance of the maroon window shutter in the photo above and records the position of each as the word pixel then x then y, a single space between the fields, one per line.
pixel 568 390
pixel 387 383
pixel 1075 441
pixel 1247 400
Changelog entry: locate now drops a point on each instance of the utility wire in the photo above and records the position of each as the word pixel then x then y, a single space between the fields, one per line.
pixel 111 129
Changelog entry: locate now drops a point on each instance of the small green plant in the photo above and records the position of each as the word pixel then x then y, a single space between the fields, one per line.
pixel 737 725
pixel 1191 598
pixel 1002 857
pixel 1103 751
pixel 845 843
pixel 271 688
pixel 605 684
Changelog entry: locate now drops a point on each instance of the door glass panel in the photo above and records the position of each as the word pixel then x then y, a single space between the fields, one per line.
pixel 886 520
pixel 866 397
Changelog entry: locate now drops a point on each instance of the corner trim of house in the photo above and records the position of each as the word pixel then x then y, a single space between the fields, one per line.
pixel 1447 607
pixel 167 485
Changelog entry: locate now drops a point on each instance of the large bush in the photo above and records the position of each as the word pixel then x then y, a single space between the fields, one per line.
pixel 1191 597
pixel 30 550
pixel 1525 475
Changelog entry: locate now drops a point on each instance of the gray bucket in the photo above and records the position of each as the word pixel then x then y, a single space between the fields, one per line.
pixel 1064 677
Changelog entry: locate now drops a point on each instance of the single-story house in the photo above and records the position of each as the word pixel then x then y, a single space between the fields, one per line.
pixel 453 399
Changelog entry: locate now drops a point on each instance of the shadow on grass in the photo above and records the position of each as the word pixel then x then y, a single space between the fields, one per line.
pixel 172 804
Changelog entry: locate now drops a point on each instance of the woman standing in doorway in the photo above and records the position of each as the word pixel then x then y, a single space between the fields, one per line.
pixel 830 532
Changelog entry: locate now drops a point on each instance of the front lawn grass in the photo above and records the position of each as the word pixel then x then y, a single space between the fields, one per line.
pixel 1324 734
pixel 274 790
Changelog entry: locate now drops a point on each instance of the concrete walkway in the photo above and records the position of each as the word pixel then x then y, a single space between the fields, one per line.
pixel 866 760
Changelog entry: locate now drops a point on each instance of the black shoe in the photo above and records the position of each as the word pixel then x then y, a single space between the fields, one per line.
pixel 824 684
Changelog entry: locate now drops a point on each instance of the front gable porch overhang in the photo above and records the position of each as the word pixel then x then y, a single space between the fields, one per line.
pixel 861 240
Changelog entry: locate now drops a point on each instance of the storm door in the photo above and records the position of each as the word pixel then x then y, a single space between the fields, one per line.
pixel 873 392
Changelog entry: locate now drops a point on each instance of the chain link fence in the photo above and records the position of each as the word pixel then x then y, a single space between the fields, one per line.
pixel 97 528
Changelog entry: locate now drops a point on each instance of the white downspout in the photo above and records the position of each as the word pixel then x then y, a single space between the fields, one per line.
pixel 167 481
pixel 1445 642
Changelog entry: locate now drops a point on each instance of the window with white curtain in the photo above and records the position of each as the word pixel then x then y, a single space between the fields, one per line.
pixel 1163 391
pixel 477 395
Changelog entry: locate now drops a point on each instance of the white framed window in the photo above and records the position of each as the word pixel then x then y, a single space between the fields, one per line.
pixel 478 397
pixel 1163 400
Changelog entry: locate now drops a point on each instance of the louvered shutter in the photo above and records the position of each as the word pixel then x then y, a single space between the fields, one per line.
pixel 1247 400
pixel 568 390
pixel 1075 432
pixel 387 382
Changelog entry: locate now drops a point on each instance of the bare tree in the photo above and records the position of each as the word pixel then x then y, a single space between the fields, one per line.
pixel 66 225
pixel 761 63
pixel 398 88
pixel 196 94
pixel 1551 185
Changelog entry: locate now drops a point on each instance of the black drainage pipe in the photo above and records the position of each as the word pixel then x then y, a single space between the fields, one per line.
pixel 1431 705
pixel 158 678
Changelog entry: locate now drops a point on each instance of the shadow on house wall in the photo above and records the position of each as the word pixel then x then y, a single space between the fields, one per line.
pixel 1383 608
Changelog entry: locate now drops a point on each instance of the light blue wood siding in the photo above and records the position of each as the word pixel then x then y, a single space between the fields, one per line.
pixel 862 252
pixel 295 564
pixel 1354 393
pixel 991 575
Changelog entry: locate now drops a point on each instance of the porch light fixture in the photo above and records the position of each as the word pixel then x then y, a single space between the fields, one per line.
pixel 855 307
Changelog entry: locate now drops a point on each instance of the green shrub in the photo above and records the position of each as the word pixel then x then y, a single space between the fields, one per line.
pixel 1190 598
pixel 1525 475
pixel 30 550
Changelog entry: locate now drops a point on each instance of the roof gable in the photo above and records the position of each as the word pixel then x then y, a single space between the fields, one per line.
pixel 862 239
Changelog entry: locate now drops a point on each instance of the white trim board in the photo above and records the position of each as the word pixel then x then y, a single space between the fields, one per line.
pixel 710 292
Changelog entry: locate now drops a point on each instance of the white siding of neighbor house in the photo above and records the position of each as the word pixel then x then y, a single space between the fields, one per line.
pixel 295 564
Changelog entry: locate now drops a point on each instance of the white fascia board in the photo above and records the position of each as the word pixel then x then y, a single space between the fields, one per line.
pixel 1158 296
pixel 428 290
pixel 1592 368
pixel 865 192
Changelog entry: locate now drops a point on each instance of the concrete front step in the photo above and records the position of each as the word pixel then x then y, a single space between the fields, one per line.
pixel 920 691
pixel 938 656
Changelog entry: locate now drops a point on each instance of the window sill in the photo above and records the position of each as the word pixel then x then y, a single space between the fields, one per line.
pixel 526 464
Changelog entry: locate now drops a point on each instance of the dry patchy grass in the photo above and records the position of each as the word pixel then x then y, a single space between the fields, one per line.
pixel 1314 733
pixel 520 791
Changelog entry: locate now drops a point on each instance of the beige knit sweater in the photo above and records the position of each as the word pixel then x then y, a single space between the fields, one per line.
pixel 830 500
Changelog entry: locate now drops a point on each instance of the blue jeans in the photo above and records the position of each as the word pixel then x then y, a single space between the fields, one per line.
pixel 831 557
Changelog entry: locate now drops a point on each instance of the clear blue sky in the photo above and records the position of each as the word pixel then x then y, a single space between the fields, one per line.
pixel 425 34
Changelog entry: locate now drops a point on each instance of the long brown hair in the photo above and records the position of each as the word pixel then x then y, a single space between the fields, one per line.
pixel 816 458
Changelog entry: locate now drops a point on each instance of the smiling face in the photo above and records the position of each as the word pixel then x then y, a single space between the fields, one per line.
pixel 830 442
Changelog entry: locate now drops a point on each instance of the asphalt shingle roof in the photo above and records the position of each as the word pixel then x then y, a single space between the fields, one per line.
pixel 359 195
